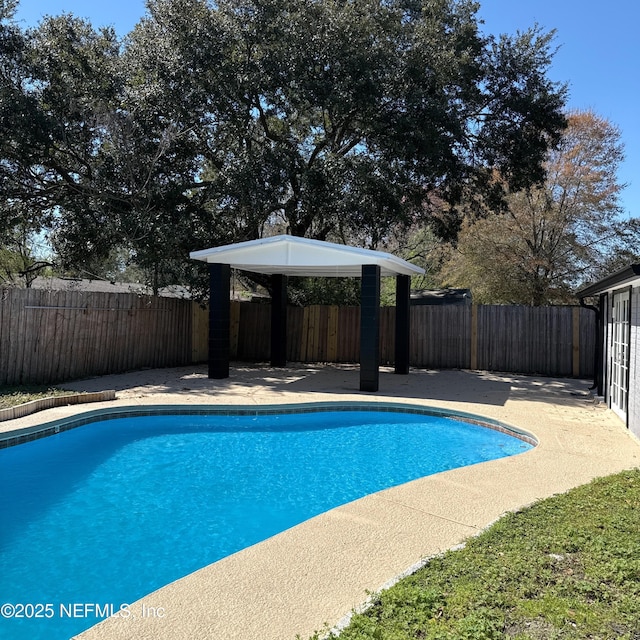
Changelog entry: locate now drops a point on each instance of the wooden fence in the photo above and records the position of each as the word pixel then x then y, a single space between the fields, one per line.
pixel 52 336
pixel 554 341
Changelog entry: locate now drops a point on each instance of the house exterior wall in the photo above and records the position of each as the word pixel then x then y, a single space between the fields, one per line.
pixel 634 364
pixel 622 391
pixel 633 397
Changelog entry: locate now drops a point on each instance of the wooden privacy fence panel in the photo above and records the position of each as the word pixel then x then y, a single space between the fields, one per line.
pixel 314 334
pixel 323 334
pixel 440 337
pixel 536 340
pixel 554 341
pixel 51 336
pixel 254 332
pixel 348 335
pixel 587 344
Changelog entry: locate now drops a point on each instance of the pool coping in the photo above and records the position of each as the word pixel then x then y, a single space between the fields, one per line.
pixel 36 432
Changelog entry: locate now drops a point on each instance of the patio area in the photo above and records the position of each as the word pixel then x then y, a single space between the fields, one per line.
pixel 316 572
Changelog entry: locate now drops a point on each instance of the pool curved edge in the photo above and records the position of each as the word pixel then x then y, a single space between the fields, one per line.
pixel 319 570
pixel 354 518
pixel 27 434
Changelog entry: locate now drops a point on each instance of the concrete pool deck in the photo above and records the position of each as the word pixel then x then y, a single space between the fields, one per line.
pixel 311 576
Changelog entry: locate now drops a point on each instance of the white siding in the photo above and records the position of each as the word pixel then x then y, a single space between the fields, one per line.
pixel 634 365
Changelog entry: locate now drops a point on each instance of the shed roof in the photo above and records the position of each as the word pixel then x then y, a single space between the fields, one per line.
pixel 613 281
pixel 441 297
pixel 294 256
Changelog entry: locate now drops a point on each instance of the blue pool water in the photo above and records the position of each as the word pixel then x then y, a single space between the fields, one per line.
pixel 96 517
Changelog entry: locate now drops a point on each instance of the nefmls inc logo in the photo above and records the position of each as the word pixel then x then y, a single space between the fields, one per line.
pixel 93 610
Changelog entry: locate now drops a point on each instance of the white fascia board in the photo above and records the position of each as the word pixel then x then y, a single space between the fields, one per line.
pixel 291 255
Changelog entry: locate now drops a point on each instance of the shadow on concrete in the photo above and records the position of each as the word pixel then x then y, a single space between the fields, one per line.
pixel 476 387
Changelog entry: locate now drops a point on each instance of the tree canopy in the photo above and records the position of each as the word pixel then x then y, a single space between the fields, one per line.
pixel 554 236
pixel 214 122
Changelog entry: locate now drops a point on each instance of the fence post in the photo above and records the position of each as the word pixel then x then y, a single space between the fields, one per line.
pixel 473 364
pixel 575 342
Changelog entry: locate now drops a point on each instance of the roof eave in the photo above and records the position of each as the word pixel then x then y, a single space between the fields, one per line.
pixel 341 260
pixel 613 281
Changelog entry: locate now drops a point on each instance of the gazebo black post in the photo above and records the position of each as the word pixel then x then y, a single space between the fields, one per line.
pixel 278 320
pixel 370 328
pixel 403 297
pixel 219 320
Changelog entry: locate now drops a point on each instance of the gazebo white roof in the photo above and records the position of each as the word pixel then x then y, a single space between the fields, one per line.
pixel 294 256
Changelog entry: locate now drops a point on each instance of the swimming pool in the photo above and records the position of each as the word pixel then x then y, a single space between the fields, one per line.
pixel 96 517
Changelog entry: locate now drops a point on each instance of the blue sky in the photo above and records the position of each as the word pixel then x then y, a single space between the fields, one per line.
pixel 599 54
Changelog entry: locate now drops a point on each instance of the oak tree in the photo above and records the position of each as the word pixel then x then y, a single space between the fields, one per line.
pixel 213 123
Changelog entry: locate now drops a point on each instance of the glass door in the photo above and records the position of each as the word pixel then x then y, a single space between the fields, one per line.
pixel 619 354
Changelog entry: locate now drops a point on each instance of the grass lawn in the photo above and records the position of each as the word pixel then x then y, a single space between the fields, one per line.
pixel 566 567
pixel 12 396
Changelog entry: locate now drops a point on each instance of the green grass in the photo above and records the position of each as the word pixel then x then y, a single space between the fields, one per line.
pixel 567 567
pixel 12 396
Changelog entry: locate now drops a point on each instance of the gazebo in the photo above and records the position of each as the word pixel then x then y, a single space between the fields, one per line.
pixel 284 255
